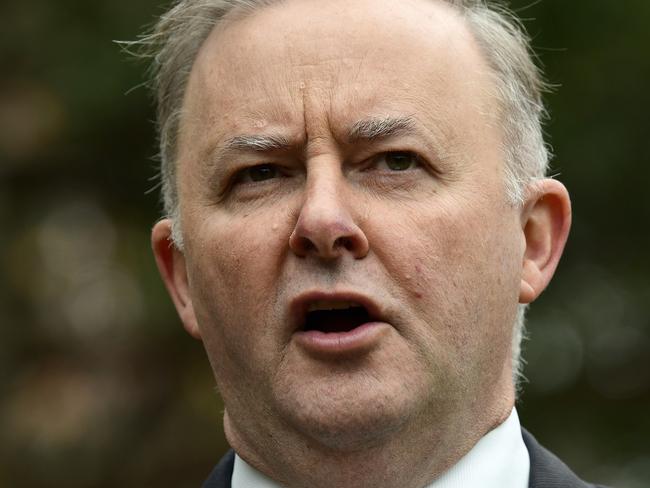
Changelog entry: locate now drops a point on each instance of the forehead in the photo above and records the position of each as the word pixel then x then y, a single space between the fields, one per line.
pixel 307 65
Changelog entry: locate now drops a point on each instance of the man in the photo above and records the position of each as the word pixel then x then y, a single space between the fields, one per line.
pixel 357 215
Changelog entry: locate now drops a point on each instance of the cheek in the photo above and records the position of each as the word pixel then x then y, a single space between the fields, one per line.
pixel 233 275
pixel 456 268
pixel 425 251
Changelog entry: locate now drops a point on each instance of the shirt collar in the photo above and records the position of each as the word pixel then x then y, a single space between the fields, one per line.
pixel 498 460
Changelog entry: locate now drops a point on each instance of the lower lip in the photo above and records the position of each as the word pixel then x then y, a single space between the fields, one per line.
pixel 355 341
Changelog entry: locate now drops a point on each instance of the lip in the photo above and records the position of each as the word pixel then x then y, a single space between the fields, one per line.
pixel 355 341
pixel 336 344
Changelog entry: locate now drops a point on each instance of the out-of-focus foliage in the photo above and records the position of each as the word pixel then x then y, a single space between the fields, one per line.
pixel 99 385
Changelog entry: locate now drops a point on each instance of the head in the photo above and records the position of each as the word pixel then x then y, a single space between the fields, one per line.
pixel 356 217
pixel 180 33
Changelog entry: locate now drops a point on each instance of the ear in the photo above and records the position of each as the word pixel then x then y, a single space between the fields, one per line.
pixel 171 265
pixel 546 220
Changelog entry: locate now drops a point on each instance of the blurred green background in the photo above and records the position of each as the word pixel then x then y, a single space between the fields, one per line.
pixel 100 386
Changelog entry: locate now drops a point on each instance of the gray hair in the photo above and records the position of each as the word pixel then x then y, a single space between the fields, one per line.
pixel 176 39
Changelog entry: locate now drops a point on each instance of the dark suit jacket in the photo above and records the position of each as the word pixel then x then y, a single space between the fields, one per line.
pixel 546 470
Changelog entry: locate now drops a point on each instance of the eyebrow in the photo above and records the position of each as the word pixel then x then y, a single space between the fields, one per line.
pixel 257 143
pixel 368 130
pixel 363 130
pixel 380 127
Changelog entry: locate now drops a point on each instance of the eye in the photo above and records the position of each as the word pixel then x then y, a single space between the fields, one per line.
pixel 258 173
pixel 398 160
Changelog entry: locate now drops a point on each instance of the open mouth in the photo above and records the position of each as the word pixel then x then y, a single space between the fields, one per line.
pixel 335 316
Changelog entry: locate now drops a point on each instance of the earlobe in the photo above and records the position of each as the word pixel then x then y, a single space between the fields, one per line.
pixel 546 220
pixel 172 268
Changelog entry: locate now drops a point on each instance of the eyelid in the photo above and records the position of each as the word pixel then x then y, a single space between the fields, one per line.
pixel 241 173
pixel 372 161
pixel 234 181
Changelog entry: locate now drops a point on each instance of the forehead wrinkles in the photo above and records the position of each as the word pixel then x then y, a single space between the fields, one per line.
pixel 260 69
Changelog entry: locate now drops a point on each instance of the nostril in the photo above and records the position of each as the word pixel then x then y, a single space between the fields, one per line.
pixel 344 242
pixel 301 245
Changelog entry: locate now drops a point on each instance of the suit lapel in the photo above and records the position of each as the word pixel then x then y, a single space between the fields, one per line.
pixel 221 475
pixel 546 469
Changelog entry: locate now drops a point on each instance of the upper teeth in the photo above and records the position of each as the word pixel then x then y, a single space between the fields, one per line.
pixel 331 305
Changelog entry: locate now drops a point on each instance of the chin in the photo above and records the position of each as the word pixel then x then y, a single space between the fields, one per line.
pixel 348 417
pixel 357 432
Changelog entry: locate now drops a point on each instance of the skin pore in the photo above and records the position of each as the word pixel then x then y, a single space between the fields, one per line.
pixel 351 149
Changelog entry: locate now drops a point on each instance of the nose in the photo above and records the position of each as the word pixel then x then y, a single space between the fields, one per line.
pixel 326 226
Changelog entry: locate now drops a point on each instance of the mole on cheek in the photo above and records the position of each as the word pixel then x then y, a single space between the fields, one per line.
pixel 419 282
pixel 414 283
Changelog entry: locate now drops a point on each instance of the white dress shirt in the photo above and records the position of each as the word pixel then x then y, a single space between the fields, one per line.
pixel 499 460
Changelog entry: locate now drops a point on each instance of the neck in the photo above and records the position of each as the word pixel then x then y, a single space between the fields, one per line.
pixel 410 457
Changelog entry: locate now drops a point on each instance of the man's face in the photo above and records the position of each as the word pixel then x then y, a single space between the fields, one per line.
pixel 347 155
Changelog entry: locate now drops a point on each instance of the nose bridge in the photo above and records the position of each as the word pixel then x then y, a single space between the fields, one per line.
pixel 325 186
pixel 326 225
